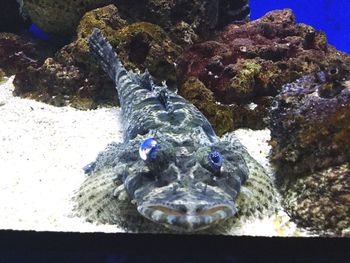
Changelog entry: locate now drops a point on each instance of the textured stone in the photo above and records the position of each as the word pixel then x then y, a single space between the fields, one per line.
pixel 310 139
pixel 59 17
pixel 310 122
pixel 203 16
pixel 146 46
pixel 251 61
pixel 321 201
pixel 73 75
pixel 219 116
pixel 2 75
pixel 224 117
pixel 17 53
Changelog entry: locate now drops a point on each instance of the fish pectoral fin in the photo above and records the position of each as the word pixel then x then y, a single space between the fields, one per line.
pixel 89 168
pixel 145 80
pixel 120 193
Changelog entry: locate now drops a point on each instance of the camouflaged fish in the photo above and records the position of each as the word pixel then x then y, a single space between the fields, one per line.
pixel 171 167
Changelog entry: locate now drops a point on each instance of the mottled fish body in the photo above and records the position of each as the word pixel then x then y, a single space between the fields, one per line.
pixel 171 165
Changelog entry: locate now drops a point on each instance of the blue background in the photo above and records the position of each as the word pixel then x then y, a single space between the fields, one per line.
pixel 330 16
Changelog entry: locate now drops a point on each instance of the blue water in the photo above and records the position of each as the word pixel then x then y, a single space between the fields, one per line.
pixel 36 32
pixel 330 16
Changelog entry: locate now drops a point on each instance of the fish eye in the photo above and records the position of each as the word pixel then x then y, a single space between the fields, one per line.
pixel 215 160
pixel 148 149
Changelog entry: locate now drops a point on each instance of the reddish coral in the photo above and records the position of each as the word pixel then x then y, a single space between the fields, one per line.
pixel 17 53
pixel 253 60
pixel 309 122
pixel 72 76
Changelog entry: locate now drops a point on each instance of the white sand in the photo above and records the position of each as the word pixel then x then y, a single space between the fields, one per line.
pixel 42 151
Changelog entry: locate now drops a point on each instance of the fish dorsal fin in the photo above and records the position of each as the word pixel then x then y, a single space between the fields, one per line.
pixel 164 98
pixel 145 80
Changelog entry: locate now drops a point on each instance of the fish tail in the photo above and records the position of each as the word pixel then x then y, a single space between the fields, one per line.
pixel 102 50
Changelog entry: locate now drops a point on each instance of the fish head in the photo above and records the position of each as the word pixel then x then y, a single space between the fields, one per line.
pixel 184 185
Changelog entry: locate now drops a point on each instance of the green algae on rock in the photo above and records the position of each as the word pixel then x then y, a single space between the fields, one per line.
pixel 220 116
pixel 146 46
pixel 202 16
pixel 223 117
pixel 72 75
pixel 2 75
pixel 242 85
pixel 59 17
pixel 248 62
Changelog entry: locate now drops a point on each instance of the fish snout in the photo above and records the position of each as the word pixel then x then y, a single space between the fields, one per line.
pixel 188 217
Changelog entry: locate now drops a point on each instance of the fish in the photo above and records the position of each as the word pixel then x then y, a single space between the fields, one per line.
pixel 171 172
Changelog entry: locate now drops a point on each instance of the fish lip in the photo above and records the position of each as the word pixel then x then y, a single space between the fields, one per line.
pixel 188 222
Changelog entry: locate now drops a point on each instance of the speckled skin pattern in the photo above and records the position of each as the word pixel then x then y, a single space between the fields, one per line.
pixel 178 188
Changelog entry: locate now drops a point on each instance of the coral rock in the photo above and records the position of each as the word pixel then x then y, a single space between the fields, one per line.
pixel 59 17
pixel 309 122
pixel 223 117
pixel 146 46
pixel 254 60
pixel 73 75
pixel 220 116
pixel 200 15
pixel 321 201
pixel 310 139
pixel 17 53
pixel 203 16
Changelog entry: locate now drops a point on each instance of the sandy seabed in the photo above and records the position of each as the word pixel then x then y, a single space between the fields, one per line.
pixel 43 149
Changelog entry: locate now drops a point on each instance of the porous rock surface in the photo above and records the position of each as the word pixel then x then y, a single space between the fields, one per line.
pixel 246 65
pixel 321 201
pixel 310 139
pixel 72 76
pixel 59 17
pixel 202 16
pixel 17 53
pixel 310 123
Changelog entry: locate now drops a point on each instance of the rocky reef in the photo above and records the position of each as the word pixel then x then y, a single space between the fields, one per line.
pixel 246 65
pixel 18 52
pixel 309 122
pixel 59 17
pixel 310 139
pixel 320 201
pixel 202 16
pixel 72 76
pixel 137 32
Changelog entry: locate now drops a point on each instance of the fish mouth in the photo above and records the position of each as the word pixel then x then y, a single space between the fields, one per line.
pixel 186 217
